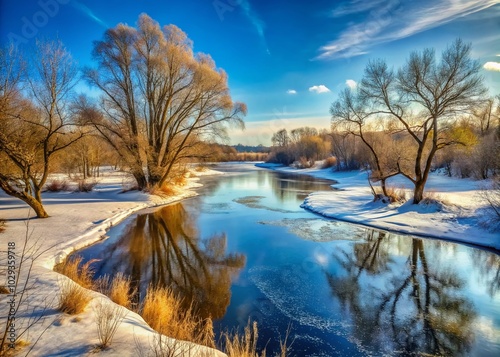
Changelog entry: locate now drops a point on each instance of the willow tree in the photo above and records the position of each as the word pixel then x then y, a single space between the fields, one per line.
pixel 34 127
pixel 423 97
pixel 159 98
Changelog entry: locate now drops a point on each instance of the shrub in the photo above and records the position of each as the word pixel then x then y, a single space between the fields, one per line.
pixel 491 195
pixel 2 225
pixel 57 186
pixel 329 162
pixel 108 317
pixel 73 298
pixel 303 163
pixel 85 186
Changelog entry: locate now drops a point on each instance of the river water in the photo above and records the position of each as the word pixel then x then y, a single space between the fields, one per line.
pixel 244 249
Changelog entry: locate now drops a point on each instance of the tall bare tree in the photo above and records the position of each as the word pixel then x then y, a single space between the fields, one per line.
pixel 423 97
pixel 34 128
pixel 159 98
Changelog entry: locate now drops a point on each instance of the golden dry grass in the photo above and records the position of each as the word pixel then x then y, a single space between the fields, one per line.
pixel 118 290
pixel 73 299
pixel 244 345
pixel 165 313
pixel 74 296
pixel 82 275
pixel 16 351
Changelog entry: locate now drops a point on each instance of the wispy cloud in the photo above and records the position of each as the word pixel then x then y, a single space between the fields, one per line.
pixel 351 83
pixel 355 7
pixel 291 91
pixel 87 12
pixel 393 20
pixel 319 89
pixel 254 19
pixel 492 66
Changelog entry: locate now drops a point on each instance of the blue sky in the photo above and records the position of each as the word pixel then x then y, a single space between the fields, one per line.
pixel 286 59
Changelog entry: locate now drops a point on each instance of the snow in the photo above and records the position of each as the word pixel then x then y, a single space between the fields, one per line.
pixel 457 212
pixel 77 220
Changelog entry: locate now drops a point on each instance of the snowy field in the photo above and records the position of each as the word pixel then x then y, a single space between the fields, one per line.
pixel 460 217
pixel 77 220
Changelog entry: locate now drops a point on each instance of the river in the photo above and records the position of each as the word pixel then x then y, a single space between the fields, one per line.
pixel 244 249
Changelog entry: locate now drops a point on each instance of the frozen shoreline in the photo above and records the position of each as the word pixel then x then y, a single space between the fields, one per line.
pixel 78 220
pixel 459 220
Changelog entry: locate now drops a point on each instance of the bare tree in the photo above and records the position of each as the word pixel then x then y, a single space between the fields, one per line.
pixel 159 98
pixel 281 138
pixel 349 115
pixel 423 97
pixel 34 129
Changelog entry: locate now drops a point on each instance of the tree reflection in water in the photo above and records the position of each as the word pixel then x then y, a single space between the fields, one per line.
pixel 163 249
pixel 410 305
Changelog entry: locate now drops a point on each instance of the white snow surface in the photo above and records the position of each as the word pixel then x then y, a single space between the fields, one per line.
pixel 77 220
pixel 460 213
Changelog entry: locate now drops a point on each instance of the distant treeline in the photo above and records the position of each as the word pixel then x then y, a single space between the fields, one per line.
pixel 222 153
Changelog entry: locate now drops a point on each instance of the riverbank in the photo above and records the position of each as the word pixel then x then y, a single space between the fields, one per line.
pixel 77 220
pixel 455 211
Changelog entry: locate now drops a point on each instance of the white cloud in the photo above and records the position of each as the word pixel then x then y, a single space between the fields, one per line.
pixel 351 83
pixel 319 89
pixel 492 66
pixel 291 91
pixel 393 21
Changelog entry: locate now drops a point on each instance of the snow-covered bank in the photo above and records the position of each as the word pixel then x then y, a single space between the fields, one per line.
pixel 77 220
pixel 459 219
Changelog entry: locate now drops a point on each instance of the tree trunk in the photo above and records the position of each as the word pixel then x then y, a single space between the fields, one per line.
pixel 140 178
pixel 384 189
pixel 418 192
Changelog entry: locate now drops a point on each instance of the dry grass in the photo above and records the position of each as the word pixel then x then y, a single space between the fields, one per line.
pixel 2 225
pixel 201 168
pixel 16 351
pixel 165 190
pixel 118 290
pixel 85 186
pixel 108 317
pixel 396 194
pixel 82 274
pixel 57 186
pixel 245 345
pixel 329 162
pixel 4 290
pixel 73 299
pixel 179 180
pixel 165 313
pixel 74 296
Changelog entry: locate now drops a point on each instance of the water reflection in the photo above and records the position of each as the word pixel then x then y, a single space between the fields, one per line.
pixel 489 266
pixel 401 300
pixel 287 187
pixel 163 249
